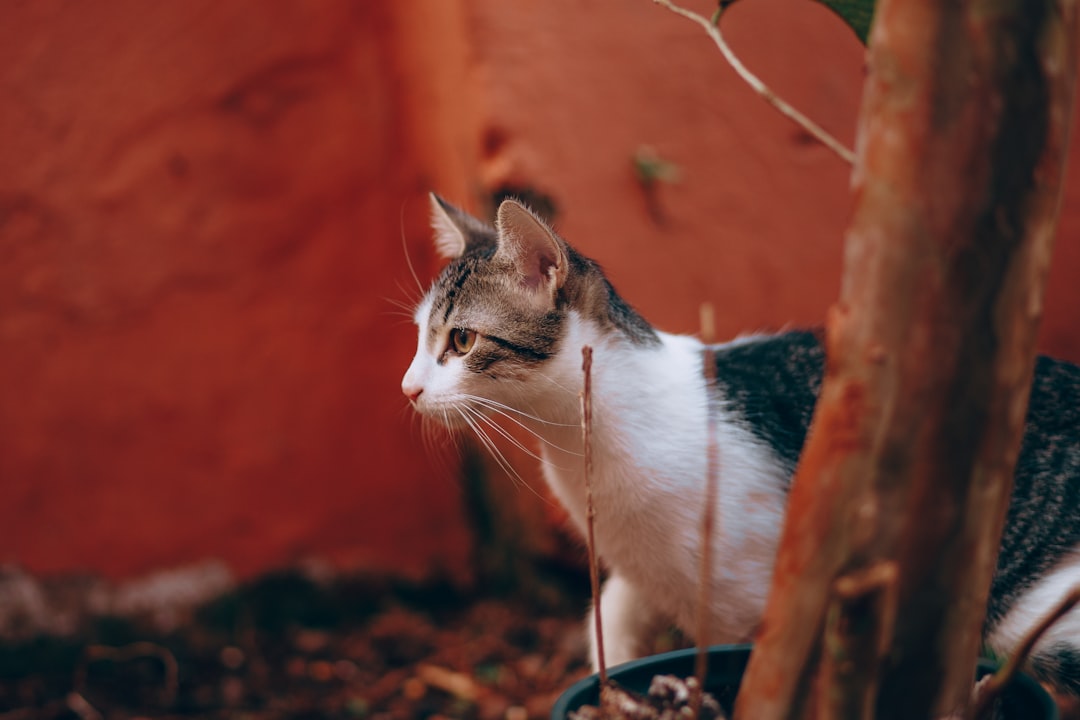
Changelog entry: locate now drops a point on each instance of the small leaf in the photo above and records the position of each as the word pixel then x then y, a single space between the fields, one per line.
pixel 856 13
pixel 651 168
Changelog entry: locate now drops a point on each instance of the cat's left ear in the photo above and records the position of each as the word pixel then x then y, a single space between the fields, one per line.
pixel 533 248
pixel 455 230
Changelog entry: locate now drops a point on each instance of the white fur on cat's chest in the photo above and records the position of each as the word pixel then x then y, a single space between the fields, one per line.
pixel 649 458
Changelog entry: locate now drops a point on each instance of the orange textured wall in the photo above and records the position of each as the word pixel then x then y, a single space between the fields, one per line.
pixel 200 225
pixel 202 216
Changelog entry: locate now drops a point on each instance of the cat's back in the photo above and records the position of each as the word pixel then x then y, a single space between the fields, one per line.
pixel 1043 525
pixel 770 383
pixel 1055 396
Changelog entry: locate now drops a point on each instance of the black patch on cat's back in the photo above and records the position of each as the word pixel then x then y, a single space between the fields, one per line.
pixel 1059 665
pixel 1043 522
pixel 590 293
pixel 624 317
pixel 771 383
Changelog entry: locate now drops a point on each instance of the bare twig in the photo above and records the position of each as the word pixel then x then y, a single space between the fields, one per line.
pixel 988 690
pixel 708 515
pixel 713 29
pixel 590 509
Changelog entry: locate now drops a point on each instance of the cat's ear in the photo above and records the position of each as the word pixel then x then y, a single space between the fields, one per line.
pixel 533 248
pixel 455 229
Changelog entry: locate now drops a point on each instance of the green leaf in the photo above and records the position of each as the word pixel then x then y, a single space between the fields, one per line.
pixel 651 168
pixel 856 13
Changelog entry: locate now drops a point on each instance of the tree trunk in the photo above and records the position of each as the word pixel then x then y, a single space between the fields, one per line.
pixel 907 472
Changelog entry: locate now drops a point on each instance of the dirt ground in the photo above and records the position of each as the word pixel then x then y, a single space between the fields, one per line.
pixel 288 647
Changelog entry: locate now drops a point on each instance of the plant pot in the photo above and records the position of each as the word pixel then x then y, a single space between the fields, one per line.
pixel 1024 699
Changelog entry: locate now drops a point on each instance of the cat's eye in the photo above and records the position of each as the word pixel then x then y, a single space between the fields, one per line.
pixel 462 340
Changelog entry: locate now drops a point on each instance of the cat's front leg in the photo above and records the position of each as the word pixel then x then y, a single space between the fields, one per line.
pixel 629 625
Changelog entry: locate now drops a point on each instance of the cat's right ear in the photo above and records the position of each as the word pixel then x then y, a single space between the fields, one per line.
pixel 532 247
pixel 455 229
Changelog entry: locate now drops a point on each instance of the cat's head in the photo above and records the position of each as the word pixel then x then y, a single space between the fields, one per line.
pixel 494 324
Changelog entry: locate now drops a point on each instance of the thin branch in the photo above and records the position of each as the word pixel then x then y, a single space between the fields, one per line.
pixel 989 690
pixel 590 509
pixel 758 86
pixel 708 515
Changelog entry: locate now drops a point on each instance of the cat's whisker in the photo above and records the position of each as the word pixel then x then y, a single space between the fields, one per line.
pixel 491 447
pixel 427 438
pixel 429 430
pixel 404 306
pixel 402 318
pixel 568 391
pixel 496 405
pixel 514 441
pixel 446 422
pixel 526 428
pixel 405 248
pixel 443 452
pixel 489 443
pixel 511 413
pixel 427 434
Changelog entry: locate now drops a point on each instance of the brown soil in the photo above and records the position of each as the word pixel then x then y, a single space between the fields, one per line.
pixel 285 646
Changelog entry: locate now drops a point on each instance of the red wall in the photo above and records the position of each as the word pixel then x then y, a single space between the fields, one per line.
pixel 200 226
pixel 203 208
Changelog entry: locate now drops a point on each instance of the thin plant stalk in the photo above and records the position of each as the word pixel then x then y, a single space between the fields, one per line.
pixel 712 27
pixel 590 509
pixel 987 692
pixel 708 516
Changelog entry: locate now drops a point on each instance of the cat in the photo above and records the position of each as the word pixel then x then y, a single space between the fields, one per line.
pixel 500 333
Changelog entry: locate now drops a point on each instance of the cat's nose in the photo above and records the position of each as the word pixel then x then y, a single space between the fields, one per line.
pixel 411 389
pixel 413 382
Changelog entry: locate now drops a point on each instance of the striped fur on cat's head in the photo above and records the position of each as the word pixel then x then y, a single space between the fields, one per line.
pixel 499 313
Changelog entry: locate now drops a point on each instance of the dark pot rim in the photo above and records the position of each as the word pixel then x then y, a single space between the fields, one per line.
pixel 726 666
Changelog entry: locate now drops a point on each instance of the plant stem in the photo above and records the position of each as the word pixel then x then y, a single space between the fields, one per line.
pixel 708 515
pixel 590 509
pixel 755 83
pixel 985 693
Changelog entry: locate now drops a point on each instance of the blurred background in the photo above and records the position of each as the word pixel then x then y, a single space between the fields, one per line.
pixel 207 212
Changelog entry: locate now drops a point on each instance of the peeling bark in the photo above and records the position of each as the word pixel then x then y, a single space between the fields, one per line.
pixel 930 348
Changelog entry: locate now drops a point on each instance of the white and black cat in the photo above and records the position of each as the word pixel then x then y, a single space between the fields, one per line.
pixel 501 332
